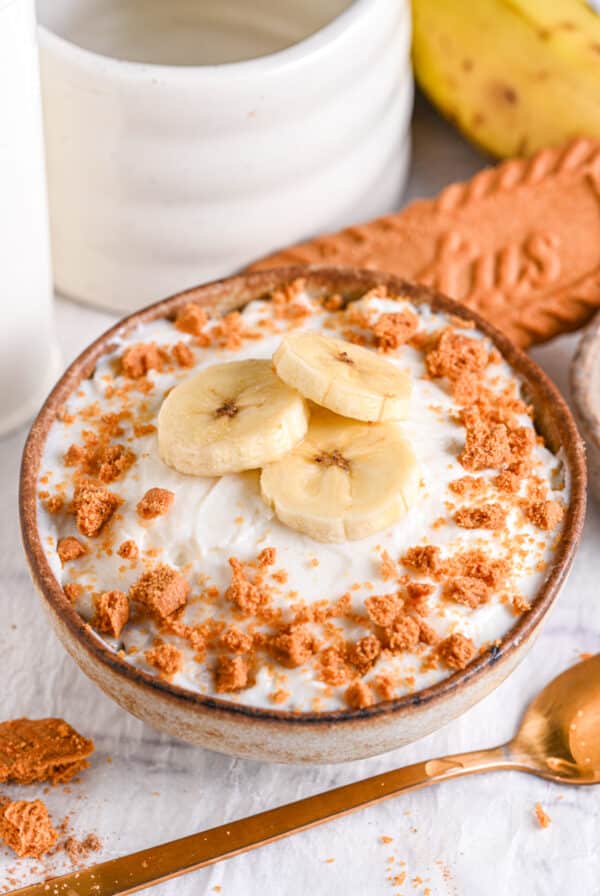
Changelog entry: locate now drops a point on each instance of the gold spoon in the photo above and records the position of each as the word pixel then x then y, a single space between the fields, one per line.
pixel 559 739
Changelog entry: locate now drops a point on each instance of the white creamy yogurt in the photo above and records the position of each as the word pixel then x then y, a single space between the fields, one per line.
pixel 213 519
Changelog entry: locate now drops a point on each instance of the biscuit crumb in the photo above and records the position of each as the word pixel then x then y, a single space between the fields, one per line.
pixel 364 653
pixel 285 301
pixel 161 590
pixel 27 829
pixel 229 330
pixel 467 590
pixel 466 389
pixel 100 460
pixel 427 634
pixel 191 319
pixel 382 609
pixel 73 591
pixel 467 486
pixel 403 635
pixel 384 687
pixel 166 658
pixel 520 604
pixel 112 612
pixel 424 559
pixel 247 595
pixel 333 668
pixel 183 354
pixel 545 515
pixel 138 360
pixel 486 516
pixel 507 481
pixel 542 817
pixel 279 696
pixel 267 557
pixel 492 570
pixel 235 640
pixel 78 850
pixel 74 456
pixel 70 548
pixel 456 651
pixel 54 504
pixel 293 647
pixel 359 695
pixel 128 550
pixel 395 329
pixel 388 567
pixel 93 506
pixel 417 594
pixel 156 502
pixel 231 674
pixel 486 445
pixel 455 354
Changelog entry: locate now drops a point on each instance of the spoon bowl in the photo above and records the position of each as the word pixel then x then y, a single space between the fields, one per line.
pixel 559 735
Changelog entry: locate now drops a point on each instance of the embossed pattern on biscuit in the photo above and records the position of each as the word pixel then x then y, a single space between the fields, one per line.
pixel 519 242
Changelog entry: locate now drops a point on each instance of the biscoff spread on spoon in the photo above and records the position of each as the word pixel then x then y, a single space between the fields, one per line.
pixel 361 510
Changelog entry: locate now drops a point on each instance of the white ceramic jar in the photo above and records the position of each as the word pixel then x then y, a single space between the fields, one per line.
pixel 162 176
pixel 28 353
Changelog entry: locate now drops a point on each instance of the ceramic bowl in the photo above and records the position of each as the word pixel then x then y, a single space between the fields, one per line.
pixel 166 175
pixel 271 734
pixel 585 388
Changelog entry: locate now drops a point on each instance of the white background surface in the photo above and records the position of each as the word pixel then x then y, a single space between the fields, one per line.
pixel 464 838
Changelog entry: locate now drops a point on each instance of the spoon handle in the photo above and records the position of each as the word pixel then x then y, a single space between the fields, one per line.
pixel 157 864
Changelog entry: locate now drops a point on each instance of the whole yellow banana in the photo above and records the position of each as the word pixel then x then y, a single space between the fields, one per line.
pixel 513 75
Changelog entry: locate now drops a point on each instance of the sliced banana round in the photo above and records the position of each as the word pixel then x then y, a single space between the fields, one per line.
pixel 228 418
pixel 343 377
pixel 344 481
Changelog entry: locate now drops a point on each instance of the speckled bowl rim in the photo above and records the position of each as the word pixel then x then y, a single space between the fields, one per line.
pixel 228 294
pixel 585 359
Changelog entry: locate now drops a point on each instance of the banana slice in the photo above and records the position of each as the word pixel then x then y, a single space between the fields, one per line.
pixel 343 377
pixel 228 418
pixel 344 481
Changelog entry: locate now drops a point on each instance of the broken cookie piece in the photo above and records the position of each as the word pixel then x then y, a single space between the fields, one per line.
pixel 93 506
pixel 33 750
pixel 166 659
pixel 70 548
pixel 112 612
pixel 156 502
pixel 26 828
pixel 161 590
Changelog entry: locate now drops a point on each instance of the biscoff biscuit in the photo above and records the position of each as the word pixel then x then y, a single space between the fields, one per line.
pixel 38 750
pixel 519 242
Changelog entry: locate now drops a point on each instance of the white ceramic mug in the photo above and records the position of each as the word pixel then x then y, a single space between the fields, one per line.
pixel 164 173
pixel 28 352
